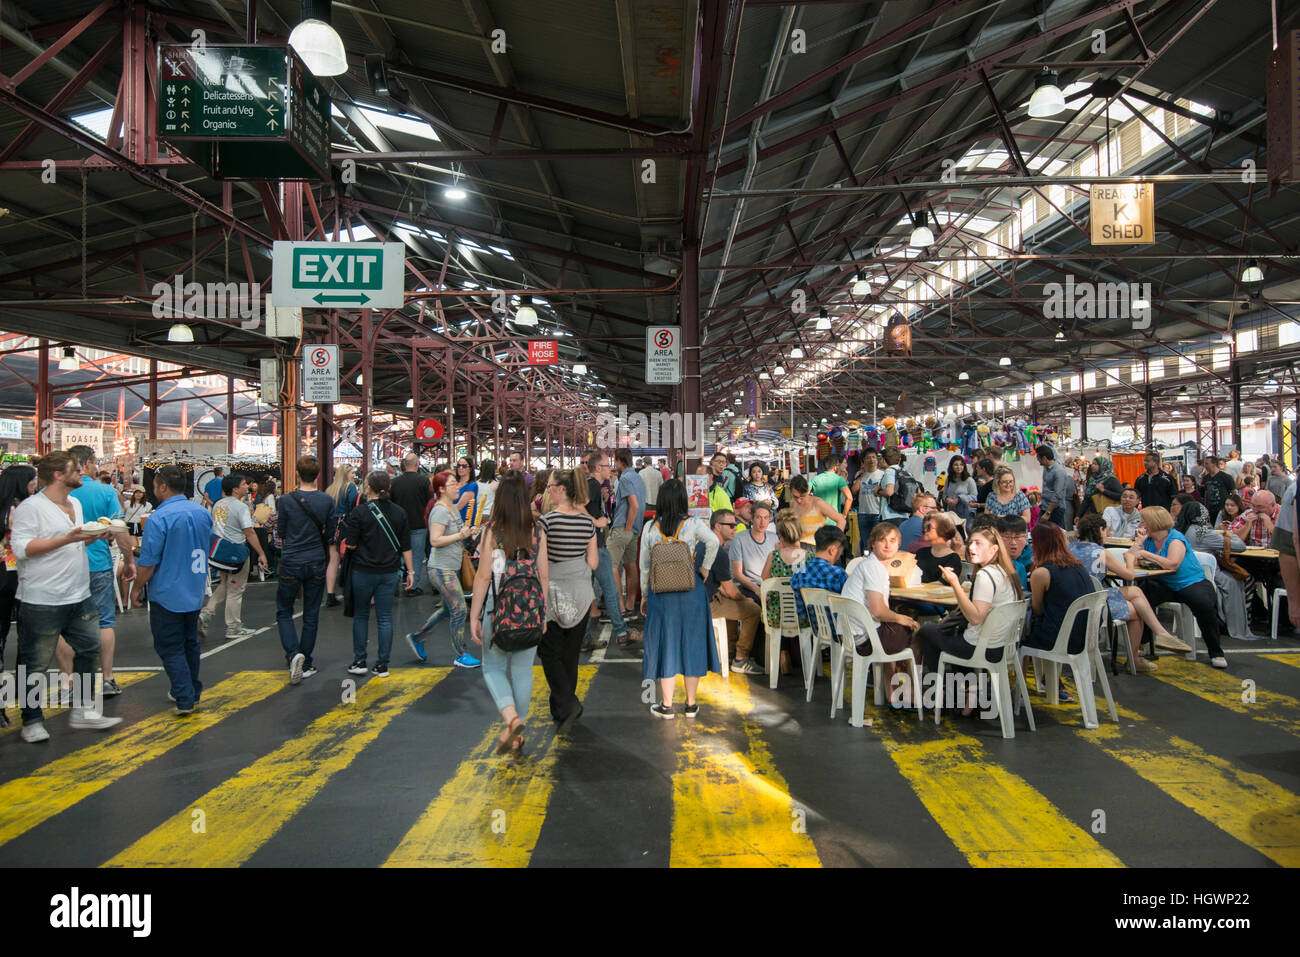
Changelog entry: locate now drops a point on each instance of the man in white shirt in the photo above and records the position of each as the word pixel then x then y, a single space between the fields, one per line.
pixel 54 588
pixel 1234 465
pixel 233 522
pixel 865 485
pixel 749 551
pixel 653 478
pixel 1123 519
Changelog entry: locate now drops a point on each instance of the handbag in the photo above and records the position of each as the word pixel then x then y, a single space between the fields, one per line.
pixel 227 556
pixel 1225 562
pixel 562 609
pixel 467 572
pixel 672 565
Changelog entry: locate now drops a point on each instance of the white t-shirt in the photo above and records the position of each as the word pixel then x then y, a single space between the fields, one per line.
pixel 868 503
pixel 991 585
pixel 869 575
pixel 653 478
pixel 1233 467
pixel 230 517
pixel 60 577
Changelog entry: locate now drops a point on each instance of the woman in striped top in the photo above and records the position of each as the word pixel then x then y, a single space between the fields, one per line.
pixel 569 537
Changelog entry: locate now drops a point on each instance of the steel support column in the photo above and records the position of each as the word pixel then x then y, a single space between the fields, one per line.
pixel 689 391
pixel 1146 417
pixel 367 385
pixel 1234 389
pixel 44 422
pixel 230 415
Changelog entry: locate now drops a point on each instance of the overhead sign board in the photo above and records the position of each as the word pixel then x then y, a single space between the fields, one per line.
pixel 1122 214
pixel 11 428
pixel 663 355
pixel 320 374
pixel 543 352
pixel 70 435
pixel 330 275
pixel 260 109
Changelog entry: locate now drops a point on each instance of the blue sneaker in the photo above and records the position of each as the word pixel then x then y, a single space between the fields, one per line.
pixel 417 647
pixel 467 661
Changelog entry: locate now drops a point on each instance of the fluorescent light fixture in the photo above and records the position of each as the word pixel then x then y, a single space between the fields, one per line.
pixel 526 316
pixel 1252 275
pixel 69 361
pixel 73 403
pixel 180 333
pixel 921 235
pixel 360 380
pixel 317 42
pixel 1047 99
pixel 400 123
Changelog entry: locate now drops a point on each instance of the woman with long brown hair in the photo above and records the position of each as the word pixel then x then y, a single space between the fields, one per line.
pixel 510 548
pixel 343 490
pixel 1058 579
pixel 995 582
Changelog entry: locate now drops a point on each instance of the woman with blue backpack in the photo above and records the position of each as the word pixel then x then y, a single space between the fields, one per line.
pixel 678 624
pixel 508 613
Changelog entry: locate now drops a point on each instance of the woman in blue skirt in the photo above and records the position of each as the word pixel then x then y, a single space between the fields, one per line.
pixel 678 626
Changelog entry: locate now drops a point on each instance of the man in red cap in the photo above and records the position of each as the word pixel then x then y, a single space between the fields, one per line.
pixel 744 510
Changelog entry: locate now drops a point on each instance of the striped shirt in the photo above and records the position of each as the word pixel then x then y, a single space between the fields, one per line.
pixel 567 535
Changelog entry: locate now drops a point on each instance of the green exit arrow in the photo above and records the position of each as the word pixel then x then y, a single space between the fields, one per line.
pixel 357 299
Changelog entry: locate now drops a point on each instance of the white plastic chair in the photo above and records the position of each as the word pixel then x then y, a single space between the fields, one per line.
pixel 852 620
pixel 1119 630
pixel 854 563
pixel 1185 626
pixel 1001 629
pixel 1082 663
pixel 117 584
pixel 724 653
pixel 817 602
pixel 787 627
pixel 1278 594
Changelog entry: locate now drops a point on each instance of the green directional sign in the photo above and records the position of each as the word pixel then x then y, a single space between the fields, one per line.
pixel 259 112
pixel 330 275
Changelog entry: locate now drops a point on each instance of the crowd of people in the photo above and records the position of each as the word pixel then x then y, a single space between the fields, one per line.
pixel 527 567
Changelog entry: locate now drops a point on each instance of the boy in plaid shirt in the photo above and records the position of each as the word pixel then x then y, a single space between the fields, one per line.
pixel 821 571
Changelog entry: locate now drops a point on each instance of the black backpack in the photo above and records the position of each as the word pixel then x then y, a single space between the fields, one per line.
pixel 904 489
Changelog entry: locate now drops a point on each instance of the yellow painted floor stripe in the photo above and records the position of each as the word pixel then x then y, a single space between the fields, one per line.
pixel 1293 660
pixel 491 812
pixel 1251 808
pixel 995 817
pixel 1226 690
pixel 244 812
pixel 732 809
pixel 124 680
pixel 27 801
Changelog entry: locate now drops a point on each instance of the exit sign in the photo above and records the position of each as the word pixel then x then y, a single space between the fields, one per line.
pixel 543 352
pixel 330 275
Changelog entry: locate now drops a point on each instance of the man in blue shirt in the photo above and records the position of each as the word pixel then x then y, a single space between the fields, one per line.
pixel 910 530
pixel 212 490
pixel 821 571
pixel 1015 533
pixel 174 561
pixel 99 501
pixel 625 527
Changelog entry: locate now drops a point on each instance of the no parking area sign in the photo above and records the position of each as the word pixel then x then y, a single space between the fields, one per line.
pixel 320 374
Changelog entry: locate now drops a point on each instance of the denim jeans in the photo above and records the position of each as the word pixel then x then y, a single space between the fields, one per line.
pixel 452 607
pixel 310 577
pixel 509 677
pixel 176 639
pixel 865 524
pixel 379 586
pixel 419 539
pixel 39 628
pixel 602 580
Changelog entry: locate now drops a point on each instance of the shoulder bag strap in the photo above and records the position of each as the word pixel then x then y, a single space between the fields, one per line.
pixel 301 499
pixel 387 529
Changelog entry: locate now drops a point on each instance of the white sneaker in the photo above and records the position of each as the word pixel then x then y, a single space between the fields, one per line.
pixel 1219 662
pixel 295 668
pixel 35 733
pixel 88 720
pixel 239 632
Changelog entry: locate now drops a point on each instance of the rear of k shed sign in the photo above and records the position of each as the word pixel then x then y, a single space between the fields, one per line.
pixel 663 355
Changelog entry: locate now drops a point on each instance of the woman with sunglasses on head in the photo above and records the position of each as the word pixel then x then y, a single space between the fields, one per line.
pixel 343 490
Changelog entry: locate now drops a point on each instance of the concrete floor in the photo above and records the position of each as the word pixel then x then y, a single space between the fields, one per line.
pixel 1198 772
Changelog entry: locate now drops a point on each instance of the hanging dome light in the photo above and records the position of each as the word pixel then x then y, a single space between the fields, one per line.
pixel 963 376
pixel 796 353
pixel 1140 304
pixel 360 380
pixel 69 361
pixel 921 234
pixel 779 370
pixel 1004 361
pixel 526 316
pixel 861 287
pixel 73 403
pixel 1060 337
pixel 1252 275
pixel 455 193
pixel 317 42
pixel 823 321
pixel 180 333
pixel 410 403
pixel 1047 99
